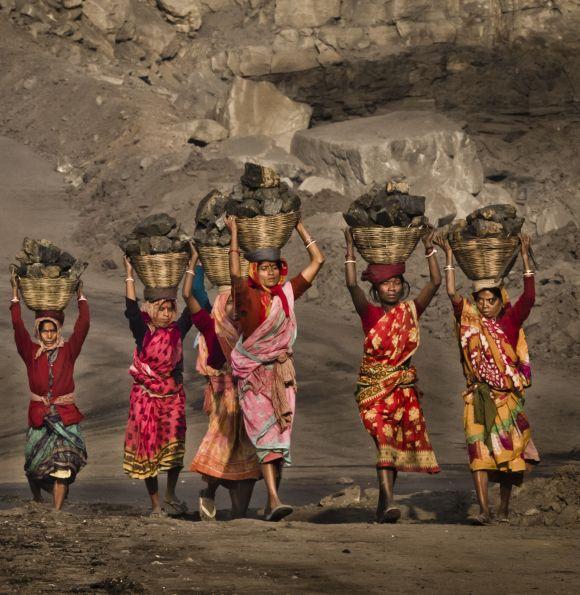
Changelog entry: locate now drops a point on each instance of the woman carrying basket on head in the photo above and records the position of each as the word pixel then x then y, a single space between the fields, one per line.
pixel 225 456
pixel 386 395
pixel 262 358
pixel 155 434
pixel 55 450
pixel 495 361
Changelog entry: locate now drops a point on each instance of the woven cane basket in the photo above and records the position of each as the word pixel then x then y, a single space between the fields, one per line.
pixel 216 264
pixel 161 270
pixel 47 294
pixel 485 258
pixel 386 245
pixel 266 231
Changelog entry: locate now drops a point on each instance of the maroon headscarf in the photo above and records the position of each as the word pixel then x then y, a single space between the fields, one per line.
pixel 57 315
pixel 379 273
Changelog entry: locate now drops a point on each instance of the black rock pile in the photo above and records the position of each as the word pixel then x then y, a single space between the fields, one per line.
pixel 260 192
pixel 41 259
pixel 387 205
pixel 493 221
pixel 156 234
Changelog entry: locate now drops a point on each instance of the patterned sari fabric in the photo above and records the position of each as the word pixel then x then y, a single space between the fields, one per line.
pixel 266 380
pixel 387 399
pixel 155 435
pixel 496 428
pixel 225 451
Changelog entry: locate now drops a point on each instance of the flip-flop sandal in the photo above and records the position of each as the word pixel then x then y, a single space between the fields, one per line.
pixel 158 514
pixel 207 509
pixel 481 520
pixel 503 520
pixel 176 507
pixel 391 515
pixel 278 513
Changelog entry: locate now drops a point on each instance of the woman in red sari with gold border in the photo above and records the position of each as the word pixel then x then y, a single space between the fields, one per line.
pixel 386 395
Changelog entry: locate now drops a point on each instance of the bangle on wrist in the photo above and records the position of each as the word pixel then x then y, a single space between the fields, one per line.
pixel 310 242
pixel 352 261
pixel 189 272
pixel 15 300
pixel 130 279
pixel 430 252
pixel 529 273
pixel 449 267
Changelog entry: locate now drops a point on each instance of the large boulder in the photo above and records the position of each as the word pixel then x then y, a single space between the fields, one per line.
pixel 260 109
pixel 152 32
pixel 107 16
pixel 305 13
pixel 432 152
pixel 180 8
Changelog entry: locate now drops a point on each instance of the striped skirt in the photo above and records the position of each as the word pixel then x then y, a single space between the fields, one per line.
pixel 54 451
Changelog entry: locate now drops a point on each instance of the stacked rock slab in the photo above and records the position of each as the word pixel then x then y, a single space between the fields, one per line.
pixel 493 221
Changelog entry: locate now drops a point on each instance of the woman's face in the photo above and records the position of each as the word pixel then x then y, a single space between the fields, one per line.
pixel 164 315
pixel 229 309
pixel 488 304
pixel 48 333
pixel 390 291
pixel 269 273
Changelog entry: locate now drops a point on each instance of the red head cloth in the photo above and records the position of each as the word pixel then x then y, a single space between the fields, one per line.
pixel 379 273
pixel 57 315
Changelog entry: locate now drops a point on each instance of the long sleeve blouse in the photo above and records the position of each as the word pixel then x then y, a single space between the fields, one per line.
pixel 62 370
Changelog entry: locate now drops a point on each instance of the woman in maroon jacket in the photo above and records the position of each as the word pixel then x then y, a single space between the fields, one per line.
pixel 55 449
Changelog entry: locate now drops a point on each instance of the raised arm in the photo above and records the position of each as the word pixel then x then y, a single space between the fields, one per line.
pixel 522 308
pixel 129 280
pixel 190 300
pixel 443 242
pixel 198 288
pixel 24 343
pixel 356 293
pixel 235 267
pixel 432 286
pixel 81 328
pixel 316 256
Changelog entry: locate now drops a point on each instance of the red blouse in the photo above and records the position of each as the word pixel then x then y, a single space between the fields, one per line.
pixel 205 324
pixel 512 317
pixel 372 314
pixel 63 368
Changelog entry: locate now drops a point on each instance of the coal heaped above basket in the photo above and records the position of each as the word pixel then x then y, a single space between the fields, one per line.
pixel 387 223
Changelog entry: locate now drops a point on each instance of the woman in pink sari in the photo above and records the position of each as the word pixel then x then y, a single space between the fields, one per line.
pixel 262 358
pixel 155 434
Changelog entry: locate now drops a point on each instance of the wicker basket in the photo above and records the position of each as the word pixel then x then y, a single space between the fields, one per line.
pixel 161 270
pixel 485 258
pixel 386 245
pixel 216 264
pixel 47 294
pixel 263 231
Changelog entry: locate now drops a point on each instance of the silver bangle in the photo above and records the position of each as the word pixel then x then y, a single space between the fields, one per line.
pixel 15 300
pixel 529 273
pixel 130 279
pixel 310 244
pixel 449 268
pixel 433 251
pixel 347 261
pixel 189 272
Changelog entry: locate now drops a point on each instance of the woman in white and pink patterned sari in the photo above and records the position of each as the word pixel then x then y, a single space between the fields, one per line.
pixel 262 359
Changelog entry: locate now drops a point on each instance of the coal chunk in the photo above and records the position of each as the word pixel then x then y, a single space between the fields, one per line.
pixel 159 224
pixel 272 206
pixel 259 176
pixel 496 213
pixel 356 216
pixel 160 244
pixel 66 260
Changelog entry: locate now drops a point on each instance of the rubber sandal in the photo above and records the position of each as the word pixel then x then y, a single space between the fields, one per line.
pixel 207 509
pixel 391 515
pixel 158 514
pixel 175 507
pixel 278 513
pixel 503 520
pixel 481 520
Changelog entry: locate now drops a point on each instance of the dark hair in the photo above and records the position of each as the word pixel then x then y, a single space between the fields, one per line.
pixel 41 325
pixel 374 292
pixel 495 290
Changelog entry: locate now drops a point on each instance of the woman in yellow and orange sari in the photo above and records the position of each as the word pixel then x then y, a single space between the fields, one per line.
pixel 386 395
pixel 494 355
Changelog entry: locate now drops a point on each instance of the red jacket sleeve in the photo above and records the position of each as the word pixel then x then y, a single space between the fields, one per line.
pixel 206 326
pixel 522 308
pixel 80 330
pixel 24 343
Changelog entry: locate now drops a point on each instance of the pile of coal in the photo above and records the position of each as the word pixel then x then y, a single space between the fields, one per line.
pixel 388 205
pixel 493 221
pixel 41 259
pixel 156 234
pixel 210 221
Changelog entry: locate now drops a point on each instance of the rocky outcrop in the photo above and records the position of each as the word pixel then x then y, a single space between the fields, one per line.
pixel 432 152
pixel 260 109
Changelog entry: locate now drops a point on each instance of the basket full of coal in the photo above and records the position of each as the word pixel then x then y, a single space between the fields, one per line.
pixel 47 275
pixel 387 222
